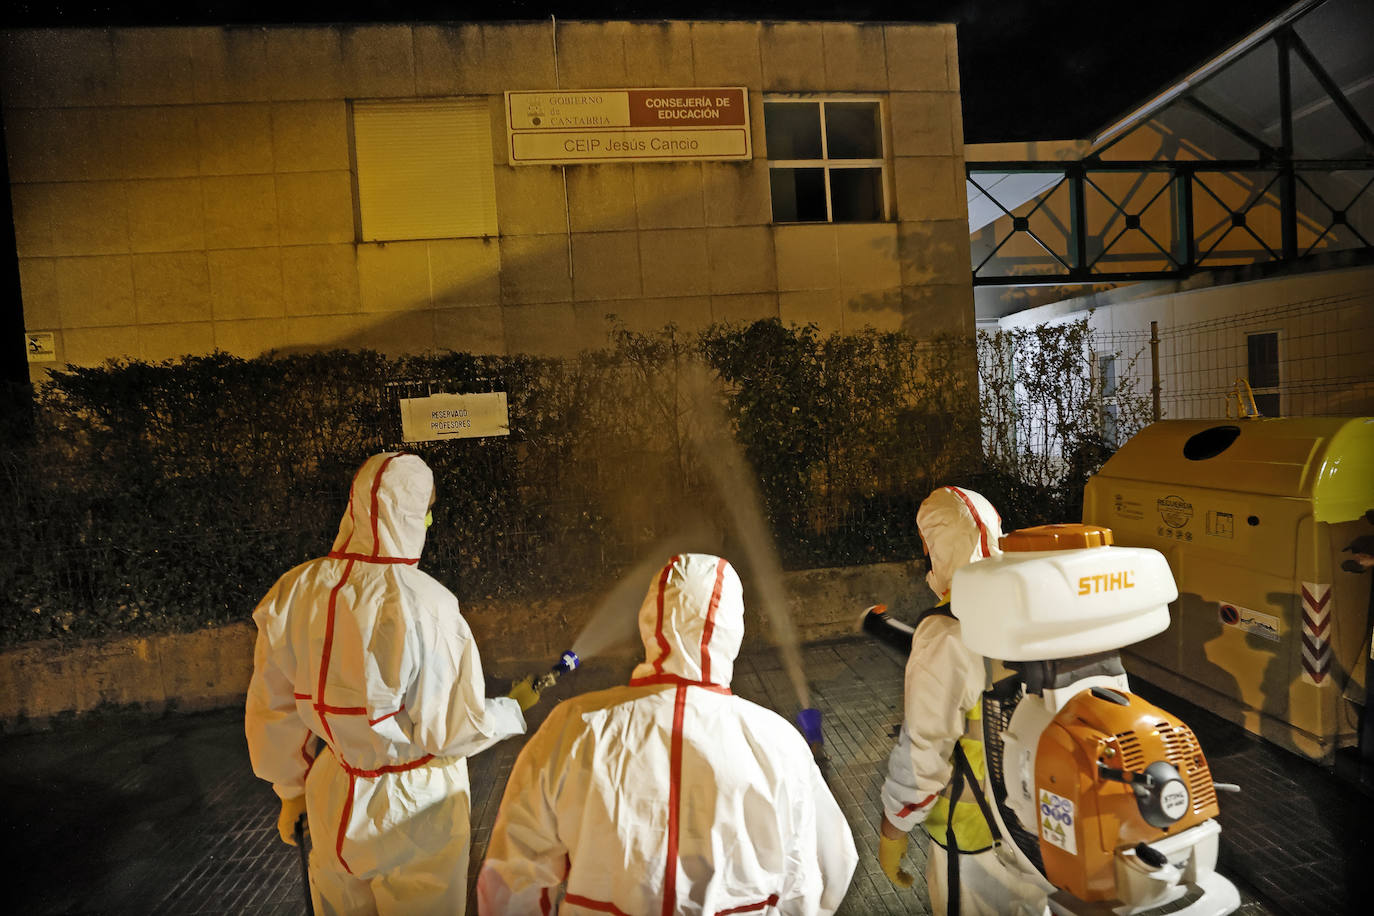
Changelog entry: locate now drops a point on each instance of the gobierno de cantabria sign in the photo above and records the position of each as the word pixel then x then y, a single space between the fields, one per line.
pixel 569 127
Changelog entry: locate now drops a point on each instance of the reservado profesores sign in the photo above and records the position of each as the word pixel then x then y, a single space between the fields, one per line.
pixel 627 125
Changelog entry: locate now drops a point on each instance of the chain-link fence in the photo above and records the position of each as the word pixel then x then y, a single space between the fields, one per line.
pixel 1309 358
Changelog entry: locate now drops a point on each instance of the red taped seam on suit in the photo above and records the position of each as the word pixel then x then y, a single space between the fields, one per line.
pixel 750 907
pixel 982 529
pixel 365 558
pixel 663 647
pixel 674 802
pixel 907 809
pixel 600 906
pixel 711 621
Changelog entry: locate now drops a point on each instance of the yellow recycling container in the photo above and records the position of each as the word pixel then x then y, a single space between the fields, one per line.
pixel 1254 517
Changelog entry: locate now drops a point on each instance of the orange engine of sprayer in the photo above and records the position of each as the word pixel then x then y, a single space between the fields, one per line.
pixel 1080 840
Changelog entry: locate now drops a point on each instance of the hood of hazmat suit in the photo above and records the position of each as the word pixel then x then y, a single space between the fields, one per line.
pixel 367 695
pixel 957 526
pixel 670 795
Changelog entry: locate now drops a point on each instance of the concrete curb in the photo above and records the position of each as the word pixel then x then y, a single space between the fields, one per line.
pixel 43 683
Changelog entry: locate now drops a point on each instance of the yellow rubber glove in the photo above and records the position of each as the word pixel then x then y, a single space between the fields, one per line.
pixel 291 809
pixel 523 692
pixel 890 852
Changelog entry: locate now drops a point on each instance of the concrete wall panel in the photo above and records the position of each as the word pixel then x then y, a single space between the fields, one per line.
pixel 234 139
pixel 394 277
pixel 310 136
pixel 534 269
pixel 820 307
pixel 250 337
pixel 793 57
pixel 170 287
pixel 518 56
pixel 93 346
pixel 475 329
pixel 314 207
pixel 867 256
pixel 934 253
pixel 319 280
pixel 544 330
pixel 153 66
pixel 744 308
pixel 59 68
pixel 601 198
pixel 166 215
pixel 807 257
pixel 930 187
pixel 920 57
pixel 246 283
pixel 230 64
pixel 736 193
pixel 674 262
pixel 659 54
pixel 240 211
pixel 689 313
pixel 88 217
pixel 38 286
pixel 742 260
pixel 855 57
pixel 147 142
pixel 450 60
pixel 669 196
pixel 591 55
pixel 606 265
pixel 158 342
pixel 305 63
pixel 464 272
pixel 727 54
pixel 921 124
pixel 96 291
pixel 529 200
pixel 378 61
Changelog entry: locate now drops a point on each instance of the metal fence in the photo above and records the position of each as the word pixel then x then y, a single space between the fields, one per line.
pixel 1309 358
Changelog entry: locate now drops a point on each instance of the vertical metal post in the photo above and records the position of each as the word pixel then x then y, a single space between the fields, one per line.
pixel 1183 220
pixel 1078 220
pixel 1154 369
pixel 1288 186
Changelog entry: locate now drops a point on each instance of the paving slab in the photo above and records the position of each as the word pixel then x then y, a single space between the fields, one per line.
pixel 137 815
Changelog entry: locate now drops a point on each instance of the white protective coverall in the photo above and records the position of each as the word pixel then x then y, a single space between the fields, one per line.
pixel 669 795
pixel 367 653
pixel 945 681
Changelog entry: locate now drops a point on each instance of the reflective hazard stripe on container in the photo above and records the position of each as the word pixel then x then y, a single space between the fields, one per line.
pixel 1316 632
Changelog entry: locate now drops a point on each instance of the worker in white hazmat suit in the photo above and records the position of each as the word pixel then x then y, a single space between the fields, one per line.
pixel 669 795
pixel 936 774
pixel 367 695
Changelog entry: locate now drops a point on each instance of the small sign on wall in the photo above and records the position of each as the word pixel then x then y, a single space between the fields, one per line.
pixel 41 347
pixel 454 416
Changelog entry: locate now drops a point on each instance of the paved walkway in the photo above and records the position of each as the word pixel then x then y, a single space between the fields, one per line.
pixel 137 816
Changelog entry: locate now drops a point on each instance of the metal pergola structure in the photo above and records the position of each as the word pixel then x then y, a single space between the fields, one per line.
pixel 1079 244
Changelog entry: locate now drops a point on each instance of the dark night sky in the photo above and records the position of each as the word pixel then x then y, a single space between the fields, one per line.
pixel 1030 69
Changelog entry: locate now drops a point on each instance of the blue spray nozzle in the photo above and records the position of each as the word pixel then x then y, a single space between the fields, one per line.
pixel 809 721
pixel 567 661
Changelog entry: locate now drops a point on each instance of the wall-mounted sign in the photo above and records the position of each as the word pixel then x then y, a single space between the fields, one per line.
pixel 569 127
pixel 454 416
pixel 41 347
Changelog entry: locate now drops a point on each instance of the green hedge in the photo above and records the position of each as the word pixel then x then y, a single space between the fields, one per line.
pixel 169 496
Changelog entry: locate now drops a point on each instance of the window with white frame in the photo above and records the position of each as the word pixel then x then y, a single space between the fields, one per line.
pixel 826 162
pixel 423 169
pixel 1262 370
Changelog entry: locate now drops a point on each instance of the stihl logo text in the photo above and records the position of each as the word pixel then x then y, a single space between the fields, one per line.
pixel 1105 582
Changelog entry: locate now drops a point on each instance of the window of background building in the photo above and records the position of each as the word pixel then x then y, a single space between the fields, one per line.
pixel 1262 369
pixel 826 160
pixel 1106 371
pixel 423 169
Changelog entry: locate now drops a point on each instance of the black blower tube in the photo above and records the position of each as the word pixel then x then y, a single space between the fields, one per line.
pixel 876 623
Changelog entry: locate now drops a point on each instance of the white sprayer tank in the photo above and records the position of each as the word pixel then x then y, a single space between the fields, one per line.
pixel 1059 591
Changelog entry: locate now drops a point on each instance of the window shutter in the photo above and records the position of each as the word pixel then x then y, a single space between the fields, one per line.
pixel 424 169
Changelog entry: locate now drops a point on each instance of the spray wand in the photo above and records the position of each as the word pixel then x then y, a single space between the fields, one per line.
pixel 527 690
pixel 566 662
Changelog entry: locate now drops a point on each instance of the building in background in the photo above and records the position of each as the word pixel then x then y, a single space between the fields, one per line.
pixel 1234 211
pixel 493 188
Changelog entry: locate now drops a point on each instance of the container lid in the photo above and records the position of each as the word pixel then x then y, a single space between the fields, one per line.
pixel 1056 537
